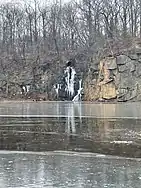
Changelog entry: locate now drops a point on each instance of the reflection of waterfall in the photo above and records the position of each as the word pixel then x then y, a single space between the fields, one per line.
pixel 74 110
pixel 79 112
pixel 70 119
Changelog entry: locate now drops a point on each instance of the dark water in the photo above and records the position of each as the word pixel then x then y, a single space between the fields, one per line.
pixel 69 147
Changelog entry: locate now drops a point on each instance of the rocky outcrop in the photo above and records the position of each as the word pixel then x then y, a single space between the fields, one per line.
pixel 116 78
pixel 113 78
pixel 108 91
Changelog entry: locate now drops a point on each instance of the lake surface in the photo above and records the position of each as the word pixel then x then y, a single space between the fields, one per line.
pixel 64 144
pixel 65 109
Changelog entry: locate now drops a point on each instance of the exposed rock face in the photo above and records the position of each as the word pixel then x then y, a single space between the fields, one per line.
pixel 117 78
pixel 108 91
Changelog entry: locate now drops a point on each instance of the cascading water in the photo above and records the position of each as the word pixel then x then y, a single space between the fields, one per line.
pixel 57 87
pixel 69 85
pixel 78 96
pixel 25 89
pixel 70 76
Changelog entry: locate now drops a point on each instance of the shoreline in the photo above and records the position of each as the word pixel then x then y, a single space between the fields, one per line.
pixel 66 101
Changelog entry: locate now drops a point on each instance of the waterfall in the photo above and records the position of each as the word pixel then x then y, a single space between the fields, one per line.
pixel 78 95
pixel 28 88
pixel 57 87
pixel 70 76
pixel 25 89
pixel 69 84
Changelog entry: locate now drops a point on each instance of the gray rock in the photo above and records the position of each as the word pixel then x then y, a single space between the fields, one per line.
pixel 94 67
pixel 117 79
pixel 122 92
pixel 111 63
pixel 122 59
pixel 126 80
pixel 131 94
pixel 127 94
pixel 123 68
pixel 137 73
pixel 131 65
pixel 134 56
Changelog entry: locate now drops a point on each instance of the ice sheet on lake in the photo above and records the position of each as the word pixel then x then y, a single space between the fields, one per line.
pixel 90 110
pixel 122 142
pixel 68 153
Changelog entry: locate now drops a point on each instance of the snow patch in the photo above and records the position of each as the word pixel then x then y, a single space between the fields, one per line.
pixel 121 142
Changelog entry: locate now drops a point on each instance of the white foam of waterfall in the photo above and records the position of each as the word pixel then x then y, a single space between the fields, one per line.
pixel 78 96
pixel 57 87
pixel 70 76
pixel 27 88
pixel 24 89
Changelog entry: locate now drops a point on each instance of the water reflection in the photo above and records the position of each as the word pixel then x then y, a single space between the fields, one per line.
pixel 71 111
pixel 60 109
pixel 60 144
pixel 106 136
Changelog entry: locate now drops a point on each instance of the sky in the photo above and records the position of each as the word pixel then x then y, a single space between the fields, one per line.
pixel 19 1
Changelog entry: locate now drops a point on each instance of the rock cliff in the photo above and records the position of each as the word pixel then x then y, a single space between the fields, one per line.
pixel 116 77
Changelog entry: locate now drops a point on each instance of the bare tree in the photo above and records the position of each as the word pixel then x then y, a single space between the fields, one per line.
pixel 52 30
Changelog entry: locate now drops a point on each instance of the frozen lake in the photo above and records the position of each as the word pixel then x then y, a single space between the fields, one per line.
pixel 63 144
pixel 52 170
pixel 63 109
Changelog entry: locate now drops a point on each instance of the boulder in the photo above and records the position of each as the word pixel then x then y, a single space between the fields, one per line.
pixel 123 68
pixel 132 65
pixel 137 73
pixel 134 56
pixel 111 63
pixel 108 91
pixel 126 80
pixel 122 59
pixel 127 94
